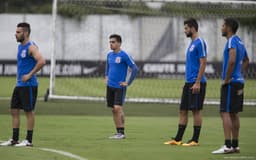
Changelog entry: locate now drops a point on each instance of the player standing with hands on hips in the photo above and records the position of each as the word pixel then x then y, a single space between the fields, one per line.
pixel 235 60
pixel 119 73
pixel 194 89
pixel 29 62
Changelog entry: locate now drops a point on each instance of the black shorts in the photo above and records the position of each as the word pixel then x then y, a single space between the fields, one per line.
pixel 115 96
pixel 232 97
pixel 191 101
pixel 24 98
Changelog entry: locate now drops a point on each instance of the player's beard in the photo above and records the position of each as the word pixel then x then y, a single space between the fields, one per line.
pixel 224 34
pixel 189 34
pixel 21 39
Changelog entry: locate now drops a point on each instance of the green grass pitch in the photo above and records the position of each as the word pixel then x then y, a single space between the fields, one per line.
pixel 82 128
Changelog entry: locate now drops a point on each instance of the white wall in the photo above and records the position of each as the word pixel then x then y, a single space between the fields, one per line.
pixel 87 39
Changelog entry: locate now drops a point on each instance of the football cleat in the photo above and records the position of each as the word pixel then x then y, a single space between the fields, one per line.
pixel 236 150
pixel 24 143
pixel 10 142
pixel 223 150
pixel 173 142
pixel 117 136
pixel 190 143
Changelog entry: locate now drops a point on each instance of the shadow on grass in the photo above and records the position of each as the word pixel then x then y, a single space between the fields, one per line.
pixel 60 107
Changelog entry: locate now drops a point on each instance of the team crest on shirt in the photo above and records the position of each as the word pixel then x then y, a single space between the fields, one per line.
pixel 241 42
pixel 23 53
pixel 118 60
pixel 191 48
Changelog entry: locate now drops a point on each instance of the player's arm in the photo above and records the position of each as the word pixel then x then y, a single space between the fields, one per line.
pixel 196 87
pixel 203 58
pixel 133 69
pixel 245 62
pixel 34 52
pixel 106 72
pixel 231 65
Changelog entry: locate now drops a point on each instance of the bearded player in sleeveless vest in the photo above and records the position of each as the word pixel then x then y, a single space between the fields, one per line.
pixel 29 62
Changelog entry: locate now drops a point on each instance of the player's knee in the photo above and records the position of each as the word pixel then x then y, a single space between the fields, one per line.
pixel 14 112
pixel 114 110
pixel 117 109
pixel 234 116
pixel 30 114
pixel 196 113
pixel 225 115
pixel 183 113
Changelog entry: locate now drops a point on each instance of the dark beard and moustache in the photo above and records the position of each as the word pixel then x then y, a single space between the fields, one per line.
pixel 21 39
pixel 224 34
pixel 189 34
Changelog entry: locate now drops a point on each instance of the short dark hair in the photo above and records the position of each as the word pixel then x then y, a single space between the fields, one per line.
pixel 25 26
pixel 191 22
pixel 232 23
pixel 117 37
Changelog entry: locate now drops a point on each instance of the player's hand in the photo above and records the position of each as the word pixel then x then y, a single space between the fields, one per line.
pixel 195 88
pixel 225 82
pixel 123 84
pixel 26 77
pixel 106 80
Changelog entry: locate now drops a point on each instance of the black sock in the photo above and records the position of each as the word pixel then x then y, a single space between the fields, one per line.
pixel 228 143
pixel 29 135
pixel 196 133
pixel 15 134
pixel 120 130
pixel 181 130
pixel 234 143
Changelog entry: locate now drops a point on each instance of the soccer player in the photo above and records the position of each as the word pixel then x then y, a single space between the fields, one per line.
pixel 29 61
pixel 195 86
pixel 120 73
pixel 235 60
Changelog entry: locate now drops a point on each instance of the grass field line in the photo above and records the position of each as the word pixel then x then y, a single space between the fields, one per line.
pixel 60 152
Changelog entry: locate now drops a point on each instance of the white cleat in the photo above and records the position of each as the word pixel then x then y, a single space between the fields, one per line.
pixel 236 150
pixel 24 143
pixel 10 142
pixel 117 136
pixel 223 150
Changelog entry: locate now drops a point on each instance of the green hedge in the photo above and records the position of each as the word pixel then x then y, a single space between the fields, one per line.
pixel 245 13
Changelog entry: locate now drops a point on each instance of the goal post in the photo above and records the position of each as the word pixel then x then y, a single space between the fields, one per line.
pixel 152 33
pixel 52 70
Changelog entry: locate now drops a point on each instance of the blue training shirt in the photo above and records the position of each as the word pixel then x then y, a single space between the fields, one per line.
pixel 25 63
pixel 195 51
pixel 241 53
pixel 117 67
